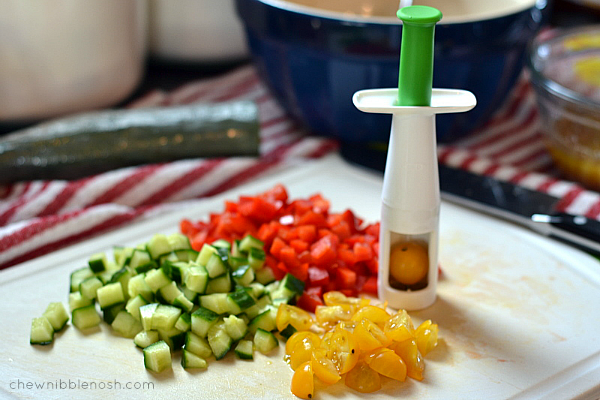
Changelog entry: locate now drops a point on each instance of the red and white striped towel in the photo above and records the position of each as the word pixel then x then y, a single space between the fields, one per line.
pixel 41 216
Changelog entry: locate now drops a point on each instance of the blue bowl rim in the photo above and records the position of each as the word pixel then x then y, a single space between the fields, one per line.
pixel 292 7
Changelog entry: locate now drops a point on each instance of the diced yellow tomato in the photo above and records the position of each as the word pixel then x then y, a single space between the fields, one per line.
pixel 292 315
pixel 399 327
pixel 329 316
pixel 300 336
pixel 386 362
pixel 303 384
pixel 363 379
pixel 409 352
pixel 369 336
pixel 341 348
pixel 426 336
pixel 324 368
pixel 301 352
pixel 351 304
pixel 376 314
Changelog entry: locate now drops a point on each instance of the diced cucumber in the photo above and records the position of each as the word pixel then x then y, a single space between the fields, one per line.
pixel 249 242
pixel 235 250
pixel 243 276
pixel 57 315
pixel 265 275
pixel 146 313
pixel 78 276
pixel 158 245
pixel 264 320
pixel 256 258
pixel 110 294
pixel 157 357
pixel 215 266
pixel 216 302
pixel 140 269
pixel 123 276
pixel 186 255
pixel 288 331
pixel 197 345
pixel 137 285
pixel 222 244
pixel 189 294
pixel 245 350
pixel 173 337
pixel 177 270
pixel 182 302
pixel 41 331
pixel 205 253
pixel 179 241
pixel 191 361
pixel 258 289
pixel 165 317
pixel 259 307
pixel 141 261
pixel 293 284
pixel 265 341
pixel 110 313
pixel 122 255
pixel 241 299
pixel 202 320
pixel 218 340
pixel 235 327
pixel 85 317
pixel 89 287
pixel 98 262
pixel 170 292
pixel 184 322
pixel 125 325
pixel 220 284
pixel 134 304
pixel 236 262
pixel 196 278
pixel 156 279
pixel 145 338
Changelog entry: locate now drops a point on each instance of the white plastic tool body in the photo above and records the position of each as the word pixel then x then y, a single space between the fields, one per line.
pixel 411 195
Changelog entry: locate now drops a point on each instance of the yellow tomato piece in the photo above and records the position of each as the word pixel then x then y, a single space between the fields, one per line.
pixel 303 384
pixel 329 316
pixel 292 315
pixel 363 379
pixel 369 336
pixel 341 348
pixel 324 368
pixel 409 352
pixel 426 336
pixel 399 327
pixel 376 314
pixel 409 262
pixel 335 298
pixel 386 362
pixel 300 336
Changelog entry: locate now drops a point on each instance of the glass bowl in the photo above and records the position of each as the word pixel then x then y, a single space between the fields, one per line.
pixel 565 74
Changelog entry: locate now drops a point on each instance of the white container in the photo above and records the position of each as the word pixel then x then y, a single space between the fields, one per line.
pixel 64 56
pixel 196 31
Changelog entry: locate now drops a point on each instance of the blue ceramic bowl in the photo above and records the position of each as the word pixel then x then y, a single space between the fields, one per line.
pixel 314 54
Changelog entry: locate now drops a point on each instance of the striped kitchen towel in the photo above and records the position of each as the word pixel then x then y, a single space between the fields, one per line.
pixel 42 216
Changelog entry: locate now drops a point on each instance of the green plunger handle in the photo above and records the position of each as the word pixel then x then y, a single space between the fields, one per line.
pixel 416 55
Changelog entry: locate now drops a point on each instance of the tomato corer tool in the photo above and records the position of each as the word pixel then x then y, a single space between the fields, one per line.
pixel 411 195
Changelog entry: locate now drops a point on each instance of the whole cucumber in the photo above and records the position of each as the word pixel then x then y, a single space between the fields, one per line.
pixel 91 143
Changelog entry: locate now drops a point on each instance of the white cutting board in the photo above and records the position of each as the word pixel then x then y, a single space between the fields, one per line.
pixel 519 314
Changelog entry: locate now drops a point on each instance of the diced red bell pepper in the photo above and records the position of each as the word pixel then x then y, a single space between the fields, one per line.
pixel 317 276
pixel 345 278
pixel 309 301
pixel 323 251
pixel 370 285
